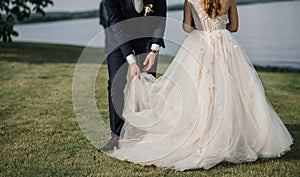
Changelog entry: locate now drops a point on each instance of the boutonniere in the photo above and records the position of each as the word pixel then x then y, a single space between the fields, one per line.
pixel 148 9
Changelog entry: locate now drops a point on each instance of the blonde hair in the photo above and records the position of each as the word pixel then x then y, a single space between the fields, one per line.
pixel 211 7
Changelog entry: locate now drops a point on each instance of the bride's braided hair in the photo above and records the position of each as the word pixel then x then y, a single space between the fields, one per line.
pixel 212 7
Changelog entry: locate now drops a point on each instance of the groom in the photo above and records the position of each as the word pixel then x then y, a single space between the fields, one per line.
pixel 134 34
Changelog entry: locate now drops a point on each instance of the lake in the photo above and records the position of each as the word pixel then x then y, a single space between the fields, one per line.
pixel 267 33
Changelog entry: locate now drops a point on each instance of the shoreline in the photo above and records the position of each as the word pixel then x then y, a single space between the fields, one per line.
pixel 17 47
pixel 276 69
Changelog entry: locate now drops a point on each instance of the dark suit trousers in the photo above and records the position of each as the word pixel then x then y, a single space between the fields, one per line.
pixel 117 70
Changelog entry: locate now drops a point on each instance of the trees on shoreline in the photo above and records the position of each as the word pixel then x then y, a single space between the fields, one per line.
pixel 12 11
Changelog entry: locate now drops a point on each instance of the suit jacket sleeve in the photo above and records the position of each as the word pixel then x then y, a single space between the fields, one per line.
pixel 160 10
pixel 114 13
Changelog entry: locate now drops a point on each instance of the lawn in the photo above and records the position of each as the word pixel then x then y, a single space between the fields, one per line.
pixel 40 136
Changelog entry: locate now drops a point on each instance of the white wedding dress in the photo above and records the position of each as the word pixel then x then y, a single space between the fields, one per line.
pixel 208 107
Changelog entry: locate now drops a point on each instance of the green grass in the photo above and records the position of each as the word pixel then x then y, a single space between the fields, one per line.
pixel 39 134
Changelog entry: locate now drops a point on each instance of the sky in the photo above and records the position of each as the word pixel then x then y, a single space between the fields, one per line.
pixel 83 5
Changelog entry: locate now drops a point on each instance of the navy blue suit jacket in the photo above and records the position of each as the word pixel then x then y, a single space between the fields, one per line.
pixel 131 31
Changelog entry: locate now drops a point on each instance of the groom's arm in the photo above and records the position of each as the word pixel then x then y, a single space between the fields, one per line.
pixel 159 24
pixel 117 29
pixel 160 11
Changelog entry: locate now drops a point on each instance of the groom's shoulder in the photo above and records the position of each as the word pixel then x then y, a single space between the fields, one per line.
pixel 113 2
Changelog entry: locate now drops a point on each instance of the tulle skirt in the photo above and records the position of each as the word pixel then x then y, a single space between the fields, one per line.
pixel 208 107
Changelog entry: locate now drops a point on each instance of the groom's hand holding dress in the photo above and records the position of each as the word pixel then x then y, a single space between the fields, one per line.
pixel 148 64
pixel 135 70
pixel 150 60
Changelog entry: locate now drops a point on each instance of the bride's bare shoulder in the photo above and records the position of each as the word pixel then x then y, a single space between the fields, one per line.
pixel 226 4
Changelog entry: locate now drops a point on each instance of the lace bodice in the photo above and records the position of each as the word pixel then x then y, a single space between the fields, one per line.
pixel 203 21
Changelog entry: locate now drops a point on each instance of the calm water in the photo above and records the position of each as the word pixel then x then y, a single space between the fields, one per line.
pixel 268 33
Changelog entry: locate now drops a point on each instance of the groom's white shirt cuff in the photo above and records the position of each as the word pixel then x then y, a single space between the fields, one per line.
pixel 130 59
pixel 155 47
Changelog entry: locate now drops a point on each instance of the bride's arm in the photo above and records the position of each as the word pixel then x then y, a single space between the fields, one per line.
pixel 233 24
pixel 187 18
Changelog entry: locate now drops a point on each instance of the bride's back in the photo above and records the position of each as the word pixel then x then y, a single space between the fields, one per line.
pixel 208 17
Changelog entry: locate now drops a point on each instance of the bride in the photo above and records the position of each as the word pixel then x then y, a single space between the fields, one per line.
pixel 208 107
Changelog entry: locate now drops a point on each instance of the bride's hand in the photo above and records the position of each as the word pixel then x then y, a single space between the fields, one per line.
pixel 149 61
pixel 134 70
